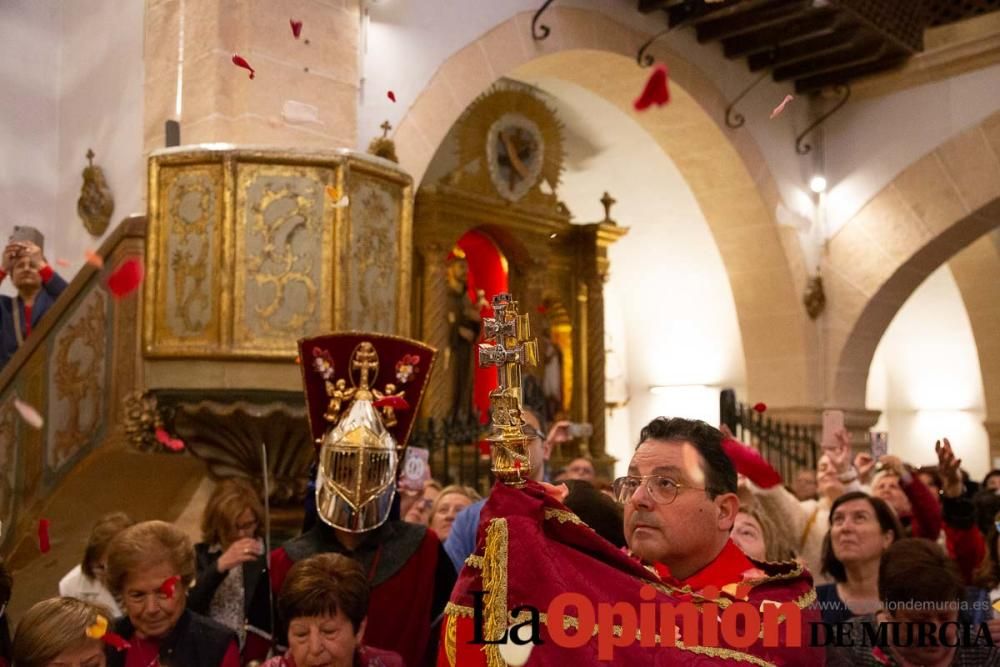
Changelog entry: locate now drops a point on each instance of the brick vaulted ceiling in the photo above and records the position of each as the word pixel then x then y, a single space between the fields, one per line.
pixel 816 43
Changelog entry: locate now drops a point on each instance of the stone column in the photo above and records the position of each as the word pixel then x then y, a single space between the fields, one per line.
pixel 190 44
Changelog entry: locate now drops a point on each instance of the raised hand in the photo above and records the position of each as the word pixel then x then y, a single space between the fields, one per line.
pixel 840 455
pixel 241 551
pixel 949 467
pixel 864 463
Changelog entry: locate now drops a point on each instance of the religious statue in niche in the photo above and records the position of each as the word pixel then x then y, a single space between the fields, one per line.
pixel 552 374
pixel 95 204
pixel 465 323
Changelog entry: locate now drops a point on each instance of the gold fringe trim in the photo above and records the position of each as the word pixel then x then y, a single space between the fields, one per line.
pixel 562 516
pixel 474 561
pixel 494 578
pixel 457 610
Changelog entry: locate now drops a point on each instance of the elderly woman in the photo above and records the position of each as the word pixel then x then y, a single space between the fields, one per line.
pixel 149 568
pixel 759 539
pixel 88 581
pixel 452 500
pixel 415 507
pixel 54 633
pixel 862 528
pixel 324 602
pixel 231 584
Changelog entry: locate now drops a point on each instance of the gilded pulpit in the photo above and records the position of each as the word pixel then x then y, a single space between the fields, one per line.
pixel 492 222
pixel 249 250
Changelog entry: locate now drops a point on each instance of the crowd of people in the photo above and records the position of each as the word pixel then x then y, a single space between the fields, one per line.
pixel 865 534
pixel 855 543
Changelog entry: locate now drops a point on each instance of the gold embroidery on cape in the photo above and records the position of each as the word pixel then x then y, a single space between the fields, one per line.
pixel 562 516
pixel 457 610
pixel 494 579
pixel 474 561
pixel 451 639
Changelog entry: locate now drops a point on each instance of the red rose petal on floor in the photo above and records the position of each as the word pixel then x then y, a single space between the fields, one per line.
pixel 240 61
pixel 94 259
pixel 168 586
pixel 781 107
pixel 759 407
pixel 29 414
pixel 656 91
pixel 126 279
pixel 391 95
pixel 296 27
pixel 43 536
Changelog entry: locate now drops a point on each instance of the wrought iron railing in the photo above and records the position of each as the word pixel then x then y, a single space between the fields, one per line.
pixel 458 454
pixel 787 447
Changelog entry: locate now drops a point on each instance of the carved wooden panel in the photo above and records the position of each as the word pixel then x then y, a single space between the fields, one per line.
pixel 8 464
pixel 186 262
pixel 284 240
pixel 78 380
pixel 373 258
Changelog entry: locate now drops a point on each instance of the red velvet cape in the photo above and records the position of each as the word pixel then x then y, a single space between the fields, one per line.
pixel 531 548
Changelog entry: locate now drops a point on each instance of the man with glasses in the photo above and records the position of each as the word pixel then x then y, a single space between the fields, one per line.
pixel 680 505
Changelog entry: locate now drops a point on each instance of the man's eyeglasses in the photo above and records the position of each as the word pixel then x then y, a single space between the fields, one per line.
pixel 662 490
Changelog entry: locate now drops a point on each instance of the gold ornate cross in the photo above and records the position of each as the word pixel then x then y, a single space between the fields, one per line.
pixel 510 348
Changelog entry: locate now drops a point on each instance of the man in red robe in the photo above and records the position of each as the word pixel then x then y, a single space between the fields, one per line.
pixel 680 505
pixel 363 391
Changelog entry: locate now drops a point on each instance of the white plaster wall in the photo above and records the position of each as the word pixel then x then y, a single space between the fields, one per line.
pixel 866 144
pixel 871 141
pixel 74 75
pixel 669 307
pixel 926 380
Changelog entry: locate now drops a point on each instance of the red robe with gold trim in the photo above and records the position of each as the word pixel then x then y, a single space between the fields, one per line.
pixel 531 549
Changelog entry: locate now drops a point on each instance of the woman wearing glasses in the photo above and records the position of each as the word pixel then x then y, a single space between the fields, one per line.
pixel 231 584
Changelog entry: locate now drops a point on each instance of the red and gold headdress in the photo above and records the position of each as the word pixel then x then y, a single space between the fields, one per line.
pixel 363 392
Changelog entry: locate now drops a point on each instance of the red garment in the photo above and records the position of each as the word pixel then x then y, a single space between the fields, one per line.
pixel 399 608
pixel 967 548
pixel 727 568
pixel 539 550
pixel 926 513
pixel 146 653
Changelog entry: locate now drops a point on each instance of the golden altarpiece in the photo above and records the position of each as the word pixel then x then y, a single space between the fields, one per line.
pixel 507 158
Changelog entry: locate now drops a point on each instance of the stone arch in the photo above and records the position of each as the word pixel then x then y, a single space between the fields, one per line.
pixel 934 210
pixel 724 169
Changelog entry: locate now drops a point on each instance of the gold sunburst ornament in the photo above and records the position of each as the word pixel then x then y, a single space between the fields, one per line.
pixel 515 137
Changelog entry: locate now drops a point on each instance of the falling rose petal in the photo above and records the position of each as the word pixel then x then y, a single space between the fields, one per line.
pixel 759 407
pixel 557 491
pixel 240 61
pixel 115 641
pixel 343 202
pixel 29 414
pixel 63 262
pixel 656 91
pixel 781 107
pixel 168 586
pixel 391 95
pixel 98 629
pixel 296 27
pixel 43 536
pixel 94 259
pixel 173 444
pixel 126 279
